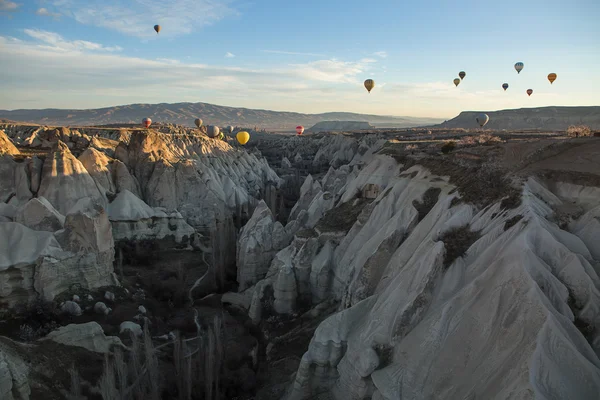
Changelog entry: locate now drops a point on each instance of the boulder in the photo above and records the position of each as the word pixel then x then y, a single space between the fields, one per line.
pixel 90 336
pixel 38 214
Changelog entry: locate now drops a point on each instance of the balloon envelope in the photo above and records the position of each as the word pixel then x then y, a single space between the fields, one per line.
pixel 157 28
pixel 146 122
pixel 243 137
pixel 552 77
pixel 462 74
pixel 198 122
pixel 456 81
pixel 369 84
pixel 529 91
pixel 299 129
pixel 212 131
pixel 482 119
pixel 229 129
pixel 505 86
pixel 519 67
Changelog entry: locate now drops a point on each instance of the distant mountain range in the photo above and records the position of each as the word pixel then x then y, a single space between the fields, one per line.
pixel 544 118
pixel 185 113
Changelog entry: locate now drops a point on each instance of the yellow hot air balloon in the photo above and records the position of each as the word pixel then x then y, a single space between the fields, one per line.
pixel 552 77
pixel 243 137
pixel 369 84
pixel 456 81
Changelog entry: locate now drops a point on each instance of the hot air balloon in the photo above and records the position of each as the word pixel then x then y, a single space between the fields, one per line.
pixel 157 28
pixel 505 86
pixel 146 122
pixel 529 91
pixel 369 84
pixel 519 67
pixel 552 77
pixel 462 75
pixel 198 122
pixel 482 119
pixel 456 81
pixel 229 129
pixel 299 129
pixel 212 131
pixel 221 136
pixel 243 137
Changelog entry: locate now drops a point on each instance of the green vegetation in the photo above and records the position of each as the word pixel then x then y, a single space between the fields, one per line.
pixel 456 242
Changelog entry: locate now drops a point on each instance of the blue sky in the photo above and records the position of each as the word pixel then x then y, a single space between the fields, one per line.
pixel 308 56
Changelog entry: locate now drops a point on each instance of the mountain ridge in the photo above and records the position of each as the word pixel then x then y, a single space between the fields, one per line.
pixel 184 113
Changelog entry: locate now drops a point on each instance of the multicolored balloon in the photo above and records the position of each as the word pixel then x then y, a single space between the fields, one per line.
pixel 462 75
pixel 519 67
pixel 529 91
pixel 243 137
pixel 456 81
pixel 157 28
pixel 299 129
pixel 552 77
pixel 505 86
pixel 146 122
pixel 369 84
pixel 482 119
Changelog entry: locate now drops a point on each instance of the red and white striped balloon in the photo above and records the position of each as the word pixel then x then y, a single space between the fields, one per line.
pixel 146 122
pixel 299 129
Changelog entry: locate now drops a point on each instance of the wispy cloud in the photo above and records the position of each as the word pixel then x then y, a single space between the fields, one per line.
pixel 44 12
pixel 57 42
pixel 229 55
pixel 292 53
pixel 168 60
pixel 8 6
pixel 176 17
pixel 382 54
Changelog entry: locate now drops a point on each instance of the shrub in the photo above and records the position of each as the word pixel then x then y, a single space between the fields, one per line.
pixel 579 130
pixel 448 146
pixel 486 138
pixel 411 147
pixel 456 242
pixel 467 141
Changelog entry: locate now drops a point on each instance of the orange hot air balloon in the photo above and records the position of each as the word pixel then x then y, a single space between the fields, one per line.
pixel 529 91
pixel 552 77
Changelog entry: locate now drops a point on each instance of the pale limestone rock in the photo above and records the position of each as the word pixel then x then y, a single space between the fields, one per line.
pixel 101 308
pixel 35 166
pixel 38 214
pixel 285 163
pixel 132 219
pixel 258 242
pixel 14 372
pixel 89 336
pixel 65 180
pixel 7 210
pixel 6 145
pixel 308 191
pixel 98 165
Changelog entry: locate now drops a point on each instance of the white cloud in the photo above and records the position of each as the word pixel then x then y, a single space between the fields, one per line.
pixel 46 70
pixel 292 53
pixel 8 6
pixel 229 55
pixel 46 13
pixel 176 17
pixel 57 42
pixel 382 54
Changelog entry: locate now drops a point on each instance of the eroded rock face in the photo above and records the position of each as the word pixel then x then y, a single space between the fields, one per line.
pixel 14 372
pixel 134 220
pixel 90 336
pixel 258 242
pixel 65 180
pixel 38 214
pixel 7 146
